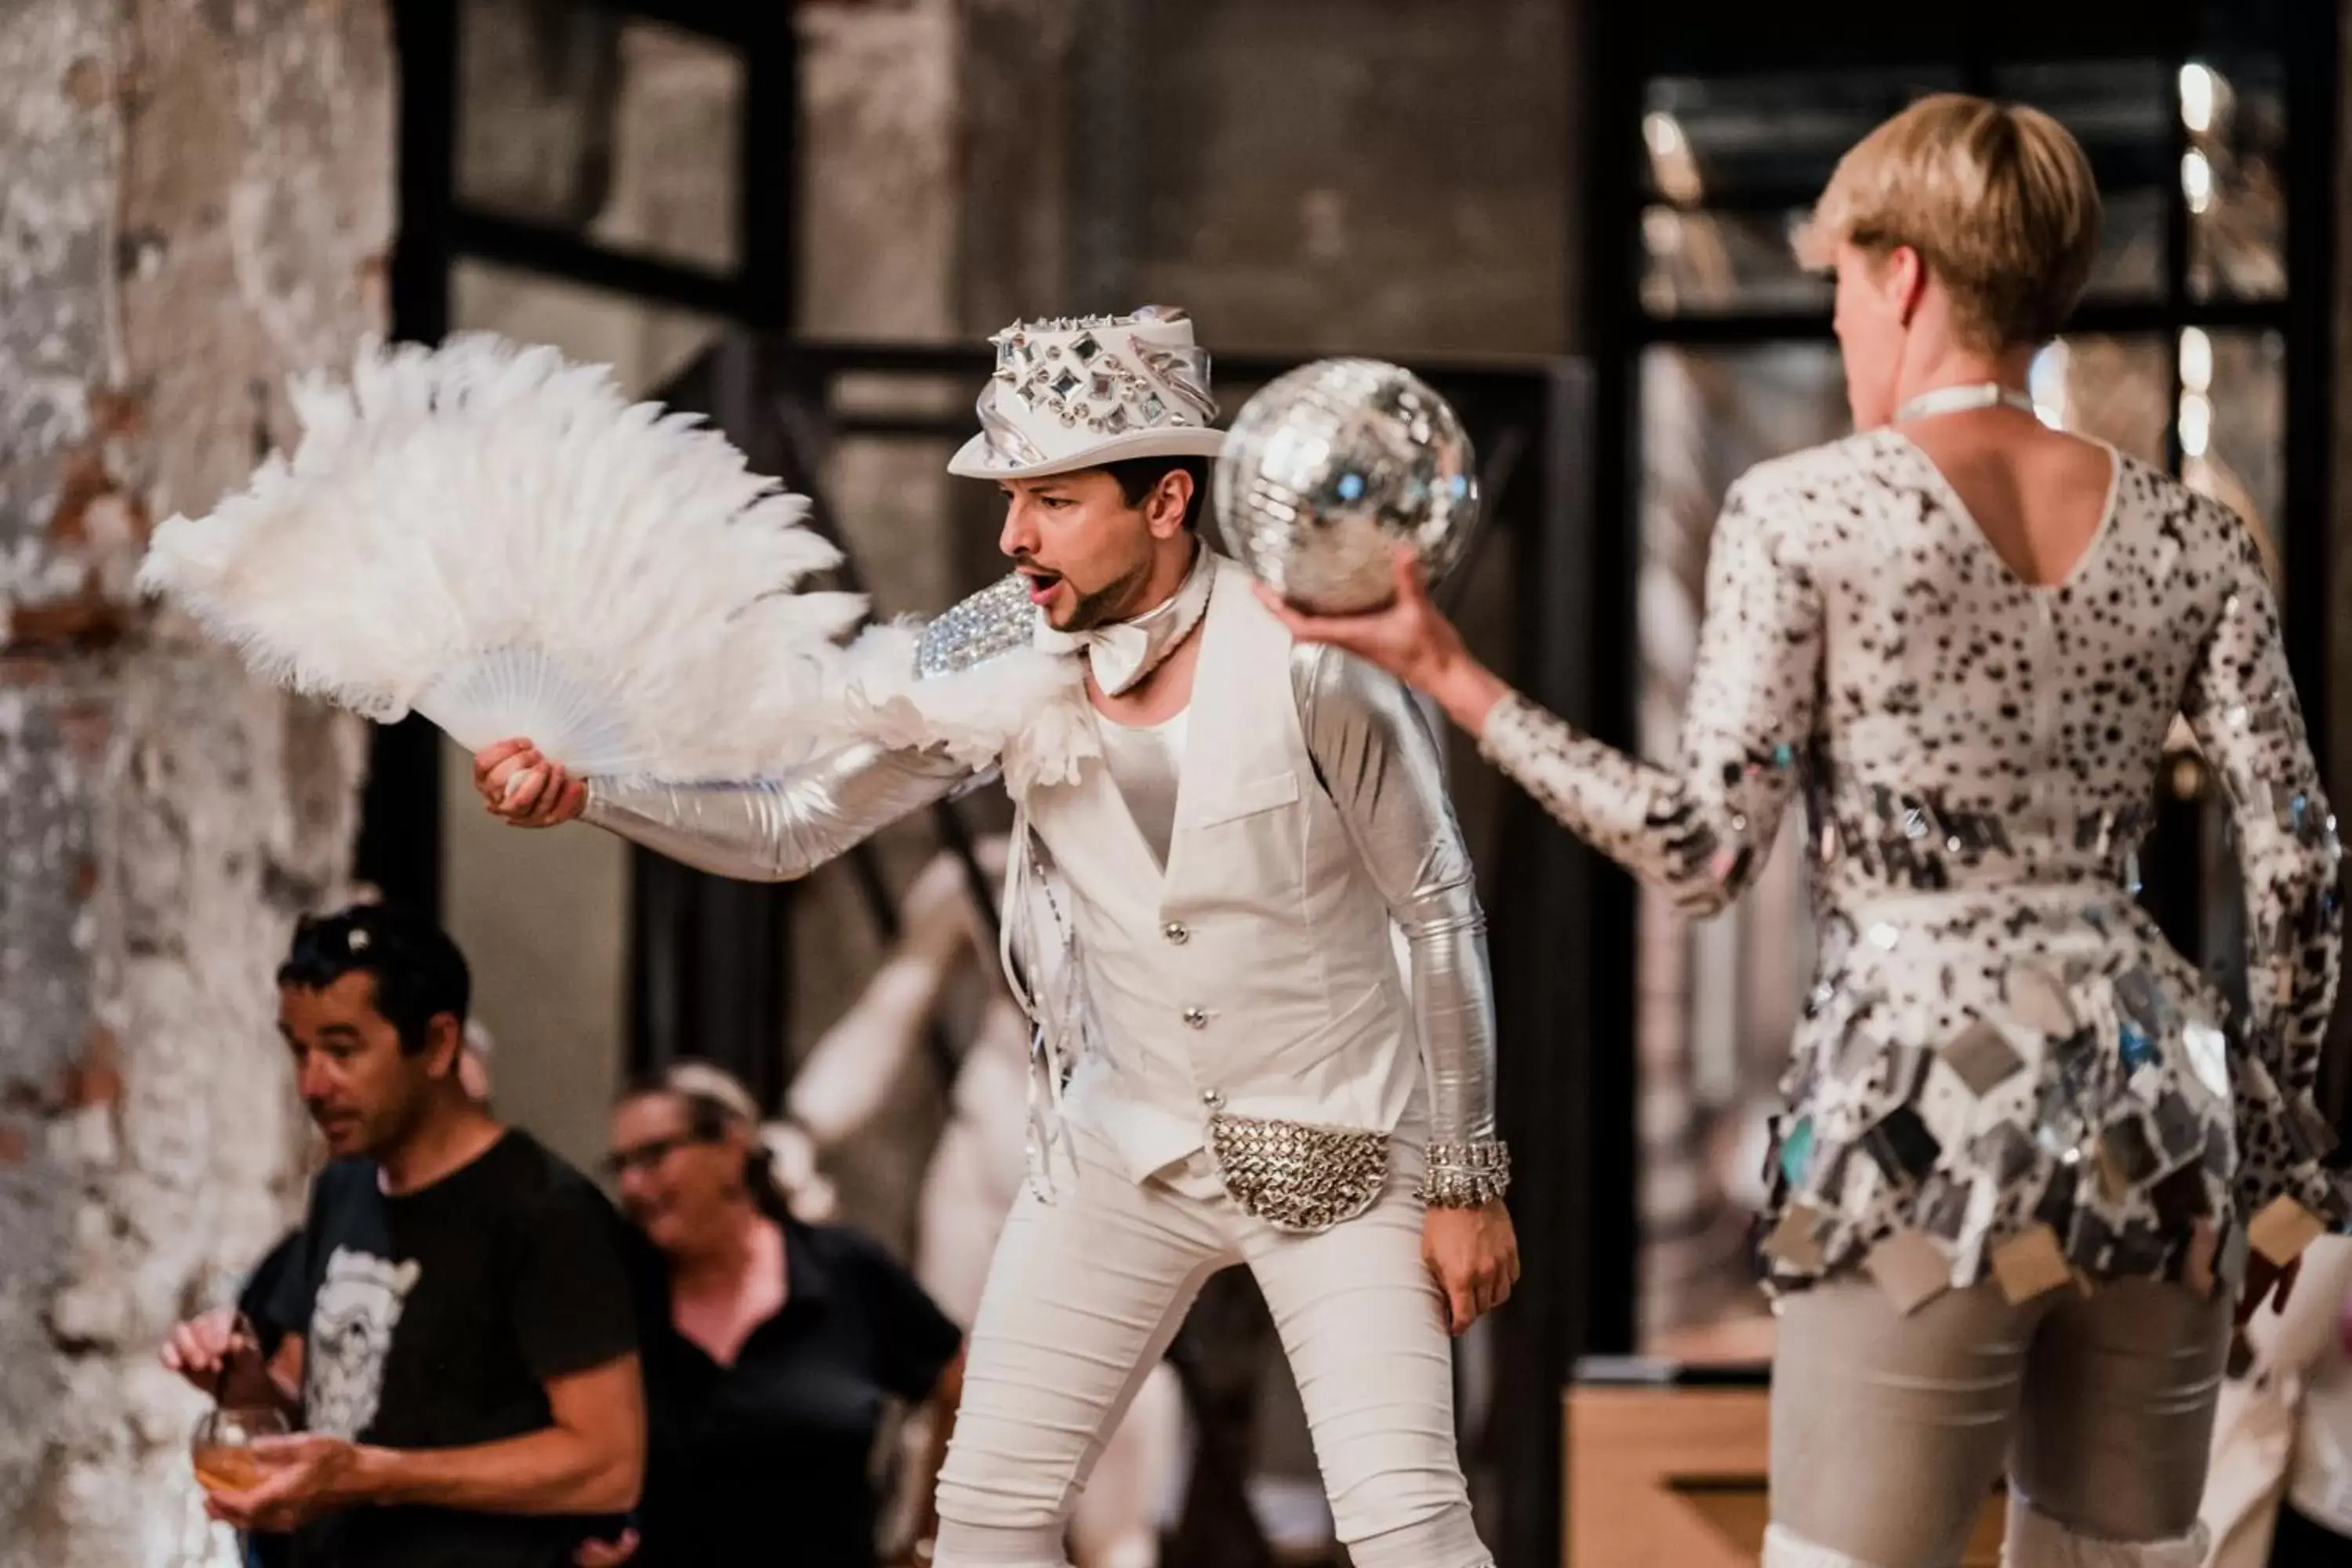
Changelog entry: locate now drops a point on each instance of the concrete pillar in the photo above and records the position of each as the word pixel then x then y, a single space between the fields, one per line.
pixel 198 201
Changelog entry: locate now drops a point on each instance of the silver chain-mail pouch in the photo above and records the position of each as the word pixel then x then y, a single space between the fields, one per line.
pixel 1294 1176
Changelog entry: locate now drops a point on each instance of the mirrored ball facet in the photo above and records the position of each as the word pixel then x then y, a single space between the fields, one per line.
pixel 1330 468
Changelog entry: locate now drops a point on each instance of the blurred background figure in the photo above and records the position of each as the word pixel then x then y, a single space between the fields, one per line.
pixel 783 1345
pixel 474 1063
pixel 2280 1493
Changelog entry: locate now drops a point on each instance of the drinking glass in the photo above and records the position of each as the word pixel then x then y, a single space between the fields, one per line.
pixel 222 1447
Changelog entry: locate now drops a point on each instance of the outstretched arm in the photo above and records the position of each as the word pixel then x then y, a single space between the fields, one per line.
pixel 1700 830
pixel 780 829
pixel 849 1074
pixel 761 830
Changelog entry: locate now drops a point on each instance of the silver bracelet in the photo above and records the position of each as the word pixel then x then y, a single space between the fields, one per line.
pixel 1467 1175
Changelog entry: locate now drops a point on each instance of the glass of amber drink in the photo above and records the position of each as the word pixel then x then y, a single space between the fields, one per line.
pixel 223 1446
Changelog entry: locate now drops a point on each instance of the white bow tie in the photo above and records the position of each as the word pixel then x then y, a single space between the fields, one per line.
pixel 1124 652
pixel 1116 653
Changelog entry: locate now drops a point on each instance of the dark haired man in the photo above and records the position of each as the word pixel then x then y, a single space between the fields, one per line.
pixel 1204 893
pixel 461 1349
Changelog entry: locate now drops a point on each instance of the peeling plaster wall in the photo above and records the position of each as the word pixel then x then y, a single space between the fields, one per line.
pixel 174 238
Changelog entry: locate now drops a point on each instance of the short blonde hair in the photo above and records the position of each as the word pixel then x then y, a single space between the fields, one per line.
pixel 1996 198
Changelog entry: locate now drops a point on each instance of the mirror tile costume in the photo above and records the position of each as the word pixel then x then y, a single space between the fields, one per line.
pixel 2026 1150
pixel 2002 1053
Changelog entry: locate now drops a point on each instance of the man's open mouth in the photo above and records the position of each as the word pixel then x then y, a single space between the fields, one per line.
pixel 1041 582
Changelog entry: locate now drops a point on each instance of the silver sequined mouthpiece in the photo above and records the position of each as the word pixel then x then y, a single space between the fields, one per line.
pixel 990 624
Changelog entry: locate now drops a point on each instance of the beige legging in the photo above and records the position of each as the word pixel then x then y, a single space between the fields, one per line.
pixel 1889 1432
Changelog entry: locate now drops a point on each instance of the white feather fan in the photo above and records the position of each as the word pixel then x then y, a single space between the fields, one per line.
pixel 497 539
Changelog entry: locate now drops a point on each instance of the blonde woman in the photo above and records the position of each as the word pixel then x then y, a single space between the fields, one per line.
pixel 2023 1171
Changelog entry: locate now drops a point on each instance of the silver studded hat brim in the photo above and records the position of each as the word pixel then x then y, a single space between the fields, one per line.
pixel 976 459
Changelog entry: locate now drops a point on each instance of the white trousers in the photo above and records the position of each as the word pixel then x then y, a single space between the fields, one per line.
pixel 1082 1298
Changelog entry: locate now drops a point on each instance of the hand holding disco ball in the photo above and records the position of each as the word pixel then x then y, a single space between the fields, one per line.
pixel 1331 468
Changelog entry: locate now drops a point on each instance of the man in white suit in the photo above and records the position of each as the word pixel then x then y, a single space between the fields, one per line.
pixel 1217 833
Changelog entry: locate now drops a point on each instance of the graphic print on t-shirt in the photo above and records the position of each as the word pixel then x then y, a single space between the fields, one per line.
pixel 352 1322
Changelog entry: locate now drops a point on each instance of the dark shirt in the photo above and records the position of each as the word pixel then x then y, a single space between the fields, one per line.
pixel 268 1289
pixel 260 1301
pixel 433 1320
pixel 769 1460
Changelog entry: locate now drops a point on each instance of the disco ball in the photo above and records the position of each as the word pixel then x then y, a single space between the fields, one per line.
pixel 1329 468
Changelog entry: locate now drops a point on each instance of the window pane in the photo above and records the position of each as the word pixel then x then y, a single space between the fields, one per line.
pixel 624 132
pixel 644 344
pixel 2120 110
pixel 2233 424
pixel 2234 176
pixel 1697 261
pixel 1716 1002
pixel 2130 263
pixel 2119 389
pixel 1733 165
pixel 1700 261
pixel 1749 141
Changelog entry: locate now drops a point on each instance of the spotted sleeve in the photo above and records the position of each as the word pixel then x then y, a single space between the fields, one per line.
pixel 1700 830
pixel 2241 705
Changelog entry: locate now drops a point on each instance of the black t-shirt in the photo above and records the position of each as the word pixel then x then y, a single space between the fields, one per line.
pixel 432 1321
pixel 266 1289
pixel 269 1288
pixel 769 1460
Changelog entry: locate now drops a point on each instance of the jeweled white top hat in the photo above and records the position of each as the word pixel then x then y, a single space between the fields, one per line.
pixel 1078 392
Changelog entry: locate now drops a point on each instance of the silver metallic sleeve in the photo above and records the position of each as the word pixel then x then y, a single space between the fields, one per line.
pixel 1380 763
pixel 777 829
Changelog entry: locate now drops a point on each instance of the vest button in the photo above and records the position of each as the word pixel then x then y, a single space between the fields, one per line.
pixel 1195 1018
pixel 1177 932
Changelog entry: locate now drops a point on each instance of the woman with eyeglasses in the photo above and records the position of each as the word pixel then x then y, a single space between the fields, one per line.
pixel 2024 1169
pixel 788 1342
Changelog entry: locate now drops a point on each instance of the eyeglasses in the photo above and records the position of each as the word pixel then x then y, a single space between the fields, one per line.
pixel 645 1156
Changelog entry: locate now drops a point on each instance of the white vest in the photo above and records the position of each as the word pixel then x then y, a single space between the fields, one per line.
pixel 1256 974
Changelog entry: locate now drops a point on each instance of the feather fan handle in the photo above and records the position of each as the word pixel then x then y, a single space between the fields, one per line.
pixel 495 537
